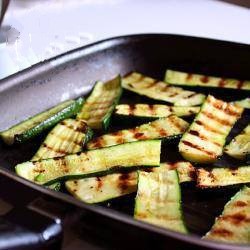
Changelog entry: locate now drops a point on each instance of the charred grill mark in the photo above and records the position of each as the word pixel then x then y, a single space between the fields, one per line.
pixel 151 109
pixel 190 96
pixel 99 183
pixel 172 166
pixel 131 109
pixel 189 76
pixel 123 181
pixel 240 204
pixel 222 232
pixel 228 109
pixel 173 94
pixel 152 84
pixel 161 131
pixel 57 151
pixel 176 123
pixel 80 127
pixel 202 137
pixel 119 137
pixel 240 84
pixel 97 143
pixel 236 218
pixel 217 119
pixel 222 83
pixel 204 79
pixel 191 145
pixel 207 127
pixel 139 136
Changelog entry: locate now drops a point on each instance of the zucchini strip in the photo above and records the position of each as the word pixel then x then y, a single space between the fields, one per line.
pixel 158 199
pixel 168 128
pixel 92 163
pixel 204 140
pixel 100 105
pixel 99 189
pixel 222 176
pixel 37 124
pixel 147 111
pixel 162 91
pixel 244 103
pixel 234 223
pixel 67 137
pixel 239 147
pixel 188 79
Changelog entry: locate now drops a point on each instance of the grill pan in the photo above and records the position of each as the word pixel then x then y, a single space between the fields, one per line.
pixel 73 74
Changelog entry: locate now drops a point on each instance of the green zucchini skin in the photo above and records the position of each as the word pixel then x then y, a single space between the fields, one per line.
pixel 100 189
pixel 188 79
pixel 222 176
pixel 167 128
pixel 233 224
pixel 92 163
pixel 35 125
pixel 244 103
pixel 100 105
pixel 158 199
pixel 239 147
pixel 158 90
pixel 204 140
pixel 67 137
pixel 147 112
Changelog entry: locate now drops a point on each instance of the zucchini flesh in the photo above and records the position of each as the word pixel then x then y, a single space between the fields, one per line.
pixel 244 103
pixel 239 147
pixel 92 163
pixel 185 170
pixel 234 223
pixel 40 122
pixel 158 199
pixel 204 140
pixel 99 106
pixel 159 90
pixel 99 189
pixel 67 137
pixel 168 128
pixel 153 111
pixel 221 176
pixel 188 79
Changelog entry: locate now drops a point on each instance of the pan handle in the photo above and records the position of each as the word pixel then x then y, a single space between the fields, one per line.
pixel 23 228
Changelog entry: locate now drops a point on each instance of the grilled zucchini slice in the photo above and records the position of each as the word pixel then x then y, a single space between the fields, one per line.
pixel 204 140
pixel 234 223
pixel 41 122
pixel 244 103
pixel 168 128
pixel 222 176
pixel 158 199
pixel 152 112
pixel 92 163
pixel 67 137
pixel 99 189
pixel 100 105
pixel 188 79
pixel 158 90
pixel 239 147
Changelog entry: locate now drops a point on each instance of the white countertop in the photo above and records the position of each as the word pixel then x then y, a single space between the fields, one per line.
pixel 41 29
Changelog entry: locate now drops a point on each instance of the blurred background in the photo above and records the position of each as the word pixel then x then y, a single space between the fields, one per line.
pixel 36 30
